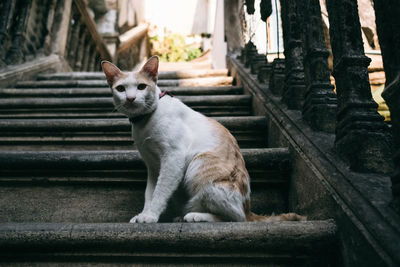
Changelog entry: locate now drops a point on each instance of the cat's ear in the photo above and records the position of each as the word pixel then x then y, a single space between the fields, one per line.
pixel 151 68
pixel 111 71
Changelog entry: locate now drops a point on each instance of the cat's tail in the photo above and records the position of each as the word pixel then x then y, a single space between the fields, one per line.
pixel 252 217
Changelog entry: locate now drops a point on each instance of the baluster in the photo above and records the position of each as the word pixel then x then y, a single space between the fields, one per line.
pixel 255 64
pixel 388 27
pixel 73 44
pixel 41 21
pixel 245 50
pixel 294 81
pixel 92 58
pixel 31 27
pixel 86 55
pixel 250 54
pixel 6 15
pixel 80 50
pixel 51 23
pixel 320 103
pixel 277 79
pixel 264 72
pixel 15 54
pixel 361 134
pixel 264 67
pixel 98 62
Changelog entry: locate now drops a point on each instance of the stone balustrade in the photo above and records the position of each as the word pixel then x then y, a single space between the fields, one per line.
pixel 34 29
pixel 388 26
pixel 302 80
pixel 133 47
pixel 85 48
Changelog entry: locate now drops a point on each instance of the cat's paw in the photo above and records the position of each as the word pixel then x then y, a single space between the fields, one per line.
pixel 199 217
pixel 134 219
pixel 144 217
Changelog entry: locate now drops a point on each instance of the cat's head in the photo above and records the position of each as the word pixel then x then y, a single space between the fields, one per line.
pixel 134 93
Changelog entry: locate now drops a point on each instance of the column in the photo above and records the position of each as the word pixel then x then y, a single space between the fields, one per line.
pixel 6 16
pixel 320 104
pixel 361 134
pixel 388 27
pixel 292 23
pixel 15 54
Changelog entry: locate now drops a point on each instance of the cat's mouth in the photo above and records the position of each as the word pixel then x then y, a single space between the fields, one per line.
pixel 130 104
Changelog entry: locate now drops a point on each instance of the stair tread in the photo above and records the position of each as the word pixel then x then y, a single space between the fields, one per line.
pixel 79 92
pixel 69 185
pixel 305 237
pixel 205 81
pixel 115 124
pixel 218 100
pixel 267 158
pixel 179 74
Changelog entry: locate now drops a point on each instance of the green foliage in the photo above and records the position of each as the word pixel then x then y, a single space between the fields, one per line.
pixel 173 48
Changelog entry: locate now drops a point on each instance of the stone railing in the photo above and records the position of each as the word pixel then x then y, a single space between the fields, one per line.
pixel 362 137
pixel 50 35
pixel 24 26
pixel 133 47
pixel 388 26
pixel 85 48
pixel 336 135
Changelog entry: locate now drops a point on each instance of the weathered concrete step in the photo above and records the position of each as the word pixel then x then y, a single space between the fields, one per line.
pixel 180 74
pixel 93 113
pixel 103 134
pixel 103 92
pixel 269 159
pixel 102 107
pixel 108 186
pixel 103 125
pixel 23 141
pixel 107 102
pixel 209 81
pixel 103 199
pixel 97 142
pixel 309 243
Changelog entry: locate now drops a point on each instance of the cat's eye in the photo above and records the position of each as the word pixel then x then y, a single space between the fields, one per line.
pixel 120 88
pixel 141 86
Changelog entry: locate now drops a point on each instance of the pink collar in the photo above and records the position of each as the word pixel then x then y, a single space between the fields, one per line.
pixel 163 93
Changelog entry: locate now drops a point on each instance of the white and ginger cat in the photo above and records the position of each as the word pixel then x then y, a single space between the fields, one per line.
pixel 183 148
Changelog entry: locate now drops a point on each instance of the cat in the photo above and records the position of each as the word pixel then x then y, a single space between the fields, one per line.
pixel 182 148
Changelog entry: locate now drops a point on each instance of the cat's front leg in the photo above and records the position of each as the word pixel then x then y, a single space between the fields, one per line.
pixel 148 196
pixel 171 174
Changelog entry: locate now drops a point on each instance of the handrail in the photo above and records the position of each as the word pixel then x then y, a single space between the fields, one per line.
pixel 132 36
pixel 133 47
pixel 30 30
pixel 91 27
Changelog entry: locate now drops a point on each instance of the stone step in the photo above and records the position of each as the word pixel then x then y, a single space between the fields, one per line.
pixel 308 243
pixel 103 125
pixel 162 75
pixel 104 92
pixel 208 81
pixel 108 186
pixel 25 134
pixel 206 100
pixel 271 160
pixel 90 107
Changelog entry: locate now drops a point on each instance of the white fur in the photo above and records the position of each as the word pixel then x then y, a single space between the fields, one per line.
pixel 219 200
pixel 200 217
pixel 167 142
pixel 168 139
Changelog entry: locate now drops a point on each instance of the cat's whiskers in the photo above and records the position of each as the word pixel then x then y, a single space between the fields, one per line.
pixel 114 110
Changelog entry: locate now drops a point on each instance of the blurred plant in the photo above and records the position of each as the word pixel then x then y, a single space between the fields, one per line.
pixel 172 48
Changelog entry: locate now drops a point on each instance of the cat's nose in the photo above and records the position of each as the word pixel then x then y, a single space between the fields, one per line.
pixel 131 99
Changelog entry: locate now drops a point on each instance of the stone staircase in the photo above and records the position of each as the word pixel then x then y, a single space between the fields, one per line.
pixel 71 177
